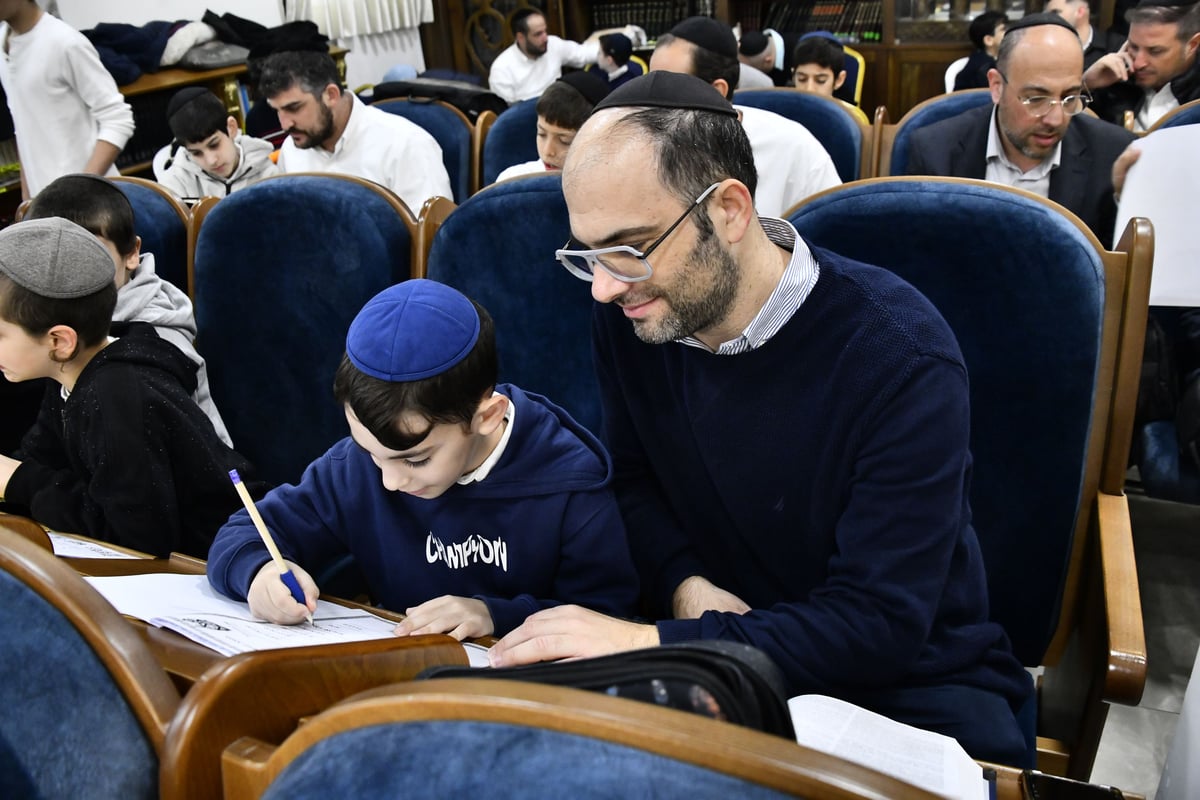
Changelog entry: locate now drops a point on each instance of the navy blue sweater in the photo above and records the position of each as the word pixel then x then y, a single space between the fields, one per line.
pixel 541 529
pixel 823 479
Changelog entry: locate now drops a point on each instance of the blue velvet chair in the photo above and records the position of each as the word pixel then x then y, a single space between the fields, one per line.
pixel 85 703
pixel 162 222
pixel 282 267
pixel 1186 114
pixel 498 248
pixel 894 139
pixel 835 128
pixel 464 737
pixel 1051 328
pixel 452 130
pixel 511 139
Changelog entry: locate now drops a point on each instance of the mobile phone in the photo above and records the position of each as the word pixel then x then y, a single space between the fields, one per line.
pixel 1040 786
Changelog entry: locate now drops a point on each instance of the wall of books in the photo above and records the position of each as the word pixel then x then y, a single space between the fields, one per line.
pixel 654 16
pixel 852 21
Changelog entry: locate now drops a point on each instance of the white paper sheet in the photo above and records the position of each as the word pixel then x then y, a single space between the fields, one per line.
pixel 1162 187
pixel 71 547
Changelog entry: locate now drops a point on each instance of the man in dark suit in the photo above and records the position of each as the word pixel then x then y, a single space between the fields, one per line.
pixel 1034 136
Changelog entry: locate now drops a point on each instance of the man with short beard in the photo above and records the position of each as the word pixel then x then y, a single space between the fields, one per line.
pixel 330 130
pixel 1034 136
pixel 772 410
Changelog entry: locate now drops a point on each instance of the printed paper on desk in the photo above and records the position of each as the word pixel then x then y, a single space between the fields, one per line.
pixel 1161 186
pixel 928 760
pixel 70 547
pixel 190 606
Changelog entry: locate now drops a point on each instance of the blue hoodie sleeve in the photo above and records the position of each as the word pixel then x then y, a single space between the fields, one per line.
pixel 595 570
pixel 304 521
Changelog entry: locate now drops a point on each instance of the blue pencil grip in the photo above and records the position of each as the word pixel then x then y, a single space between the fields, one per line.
pixel 289 580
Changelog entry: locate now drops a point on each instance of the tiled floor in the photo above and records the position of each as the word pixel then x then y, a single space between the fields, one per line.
pixel 1167 542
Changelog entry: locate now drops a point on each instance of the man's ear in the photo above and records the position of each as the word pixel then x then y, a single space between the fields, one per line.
pixel 995 82
pixel 331 94
pixel 736 209
pixel 838 80
pixel 232 127
pixel 489 414
pixel 1189 49
pixel 64 343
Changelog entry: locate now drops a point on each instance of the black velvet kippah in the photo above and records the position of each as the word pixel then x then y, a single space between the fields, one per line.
pixel 183 97
pixel 668 90
pixel 753 43
pixel 708 33
pixel 591 86
pixel 1041 18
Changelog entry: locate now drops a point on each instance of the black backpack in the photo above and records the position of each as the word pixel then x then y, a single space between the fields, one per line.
pixel 466 97
pixel 728 681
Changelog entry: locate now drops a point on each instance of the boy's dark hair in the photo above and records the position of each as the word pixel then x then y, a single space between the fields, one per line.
pixel 520 20
pixel 89 316
pixel 91 202
pixel 985 25
pixel 820 51
pixel 194 114
pixel 450 397
pixel 310 70
pixel 562 105
pixel 708 65
pixel 617 47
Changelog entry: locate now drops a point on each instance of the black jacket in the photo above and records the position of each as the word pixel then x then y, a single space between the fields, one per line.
pixel 957 147
pixel 129 457
pixel 1112 102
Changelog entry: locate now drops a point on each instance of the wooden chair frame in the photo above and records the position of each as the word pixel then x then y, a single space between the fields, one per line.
pixel 27 529
pixel 1165 119
pixel 483 124
pixel 885 134
pixel 249 765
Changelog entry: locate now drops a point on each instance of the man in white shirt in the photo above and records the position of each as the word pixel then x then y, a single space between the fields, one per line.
pixel 791 163
pixel 535 58
pixel 331 130
pixel 1156 70
pixel 69 115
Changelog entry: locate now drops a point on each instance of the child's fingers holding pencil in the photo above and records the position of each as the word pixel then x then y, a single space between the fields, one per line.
pixel 270 599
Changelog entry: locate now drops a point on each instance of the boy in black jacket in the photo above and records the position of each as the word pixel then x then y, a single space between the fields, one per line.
pixel 120 451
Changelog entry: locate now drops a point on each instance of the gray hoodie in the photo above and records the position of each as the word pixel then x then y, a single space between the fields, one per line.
pixel 148 298
pixel 186 178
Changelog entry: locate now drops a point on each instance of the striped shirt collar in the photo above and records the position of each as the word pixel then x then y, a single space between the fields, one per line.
pixel 799 278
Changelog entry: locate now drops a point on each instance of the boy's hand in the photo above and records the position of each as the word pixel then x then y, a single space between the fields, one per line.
pixel 7 467
pixel 271 600
pixel 461 617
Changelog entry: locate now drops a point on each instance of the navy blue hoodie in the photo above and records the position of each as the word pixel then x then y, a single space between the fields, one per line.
pixel 542 529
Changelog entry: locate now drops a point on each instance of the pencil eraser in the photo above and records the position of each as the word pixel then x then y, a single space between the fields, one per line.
pixel 233 476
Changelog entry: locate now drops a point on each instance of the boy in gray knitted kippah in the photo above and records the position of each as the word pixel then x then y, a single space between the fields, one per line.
pixel 119 452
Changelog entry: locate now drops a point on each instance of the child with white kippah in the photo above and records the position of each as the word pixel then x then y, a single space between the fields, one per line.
pixel 119 452
pixel 468 505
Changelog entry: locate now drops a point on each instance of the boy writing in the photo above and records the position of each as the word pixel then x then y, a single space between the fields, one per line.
pixel 217 158
pixel 98 206
pixel 120 452
pixel 561 110
pixel 466 504
pixel 820 66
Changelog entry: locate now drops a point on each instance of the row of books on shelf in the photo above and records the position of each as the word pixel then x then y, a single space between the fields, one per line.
pixel 851 21
pixel 655 17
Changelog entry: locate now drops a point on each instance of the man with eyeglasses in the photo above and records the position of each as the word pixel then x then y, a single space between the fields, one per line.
pixel 789 432
pixel 1034 136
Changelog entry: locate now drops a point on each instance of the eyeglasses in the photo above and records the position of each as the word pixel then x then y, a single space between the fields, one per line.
pixel 1040 105
pixel 625 263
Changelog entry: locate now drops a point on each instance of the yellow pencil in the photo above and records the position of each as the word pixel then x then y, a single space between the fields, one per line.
pixel 285 574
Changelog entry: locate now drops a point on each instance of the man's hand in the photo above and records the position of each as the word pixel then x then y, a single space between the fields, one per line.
pixel 1109 69
pixel 1121 168
pixel 271 600
pixel 461 617
pixel 696 595
pixel 569 632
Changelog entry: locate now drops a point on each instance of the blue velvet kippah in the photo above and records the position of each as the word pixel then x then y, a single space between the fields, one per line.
pixel 413 330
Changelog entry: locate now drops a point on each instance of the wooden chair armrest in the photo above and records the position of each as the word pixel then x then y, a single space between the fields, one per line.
pixel 1126 675
pixel 244 768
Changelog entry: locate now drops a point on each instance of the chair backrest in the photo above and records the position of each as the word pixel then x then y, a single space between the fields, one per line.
pixel 452 737
pixel 838 131
pixel 956 66
pixel 1186 114
pixel 1038 311
pixel 27 529
pixel 449 127
pixel 498 248
pixel 162 222
pixel 266 694
pixel 85 703
pixel 512 139
pixel 282 267
pixel 894 139
pixel 483 124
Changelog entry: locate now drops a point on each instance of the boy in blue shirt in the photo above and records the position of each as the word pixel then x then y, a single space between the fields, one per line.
pixel 467 505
